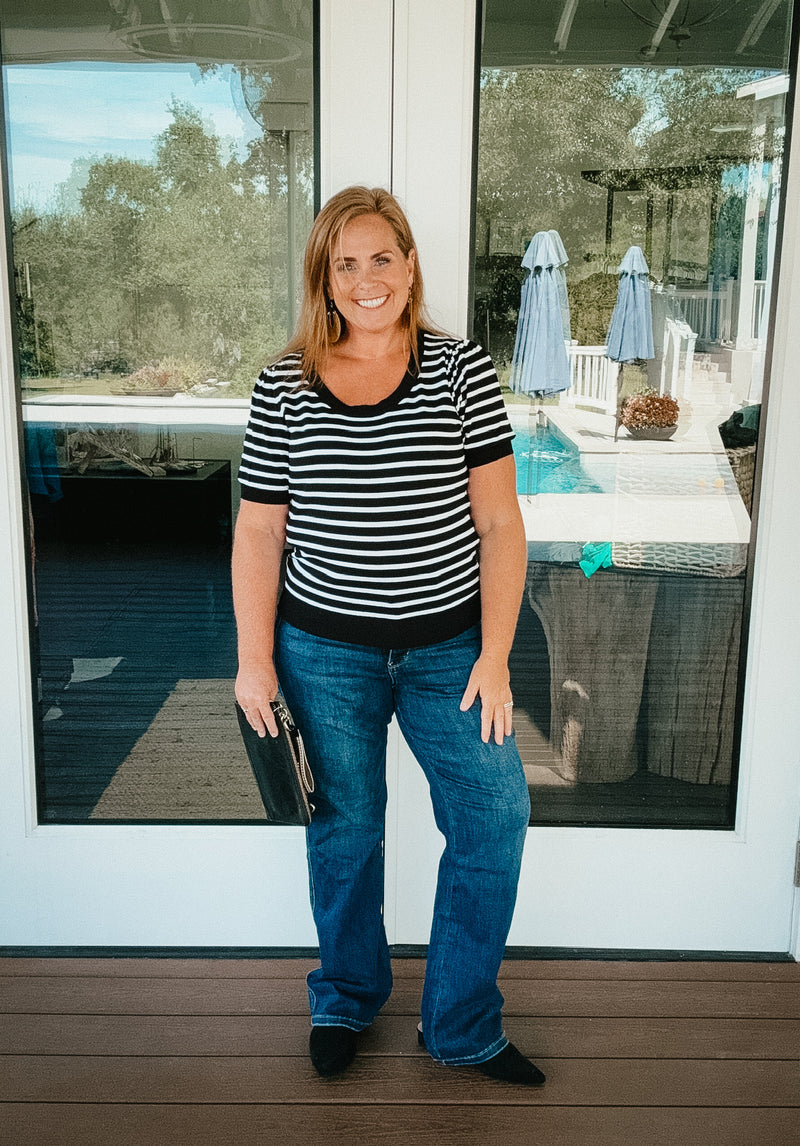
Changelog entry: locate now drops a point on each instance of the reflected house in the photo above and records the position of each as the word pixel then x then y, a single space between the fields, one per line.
pixel 721 298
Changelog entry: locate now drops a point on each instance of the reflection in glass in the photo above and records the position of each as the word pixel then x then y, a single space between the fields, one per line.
pixel 157 236
pixel 132 529
pixel 157 230
pixel 650 139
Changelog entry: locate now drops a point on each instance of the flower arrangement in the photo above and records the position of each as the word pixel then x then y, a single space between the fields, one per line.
pixel 649 409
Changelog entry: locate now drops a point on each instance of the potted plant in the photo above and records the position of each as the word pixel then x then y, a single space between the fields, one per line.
pixel 649 414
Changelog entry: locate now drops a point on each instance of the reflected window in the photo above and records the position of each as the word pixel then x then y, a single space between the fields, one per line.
pixel 628 194
pixel 162 184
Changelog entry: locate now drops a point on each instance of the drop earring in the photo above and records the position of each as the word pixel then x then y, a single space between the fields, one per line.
pixel 334 321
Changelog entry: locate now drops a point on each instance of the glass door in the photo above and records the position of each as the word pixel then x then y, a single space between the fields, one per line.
pixel 629 174
pixel 163 167
pixel 155 232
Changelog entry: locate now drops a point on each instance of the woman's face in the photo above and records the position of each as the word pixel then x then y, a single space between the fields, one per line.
pixel 369 275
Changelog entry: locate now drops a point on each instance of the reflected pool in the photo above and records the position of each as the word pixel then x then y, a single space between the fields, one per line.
pixel 546 465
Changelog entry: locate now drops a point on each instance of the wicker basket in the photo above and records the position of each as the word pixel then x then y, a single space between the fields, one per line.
pixel 728 559
pixel 743 463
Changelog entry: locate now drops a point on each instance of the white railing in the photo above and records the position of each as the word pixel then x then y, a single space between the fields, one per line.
pixel 677 360
pixel 711 314
pixel 758 316
pixel 674 342
pixel 593 379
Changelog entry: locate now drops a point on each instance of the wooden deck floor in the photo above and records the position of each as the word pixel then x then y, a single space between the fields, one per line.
pixel 127 1051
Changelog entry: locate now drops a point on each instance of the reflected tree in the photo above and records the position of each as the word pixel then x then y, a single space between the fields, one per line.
pixel 184 255
pixel 683 137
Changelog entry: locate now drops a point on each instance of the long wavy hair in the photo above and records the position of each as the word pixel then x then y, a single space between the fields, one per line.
pixel 312 337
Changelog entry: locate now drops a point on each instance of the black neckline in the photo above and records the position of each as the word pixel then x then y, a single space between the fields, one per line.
pixel 388 403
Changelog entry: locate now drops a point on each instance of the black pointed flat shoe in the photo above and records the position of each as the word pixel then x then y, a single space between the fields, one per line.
pixel 510 1065
pixel 332 1049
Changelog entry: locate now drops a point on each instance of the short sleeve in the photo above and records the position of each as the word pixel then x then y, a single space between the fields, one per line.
pixel 476 391
pixel 264 469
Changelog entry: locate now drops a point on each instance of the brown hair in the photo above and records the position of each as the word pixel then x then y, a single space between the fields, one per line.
pixel 312 335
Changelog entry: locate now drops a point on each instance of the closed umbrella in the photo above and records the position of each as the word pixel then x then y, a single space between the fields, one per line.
pixel 540 364
pixel 561 280
pixel 630 335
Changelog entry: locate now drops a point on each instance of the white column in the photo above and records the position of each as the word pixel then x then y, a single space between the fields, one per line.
pixel 355 94
pixel 432 146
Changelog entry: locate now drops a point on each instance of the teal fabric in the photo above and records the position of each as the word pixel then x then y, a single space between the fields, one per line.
pixel 596 555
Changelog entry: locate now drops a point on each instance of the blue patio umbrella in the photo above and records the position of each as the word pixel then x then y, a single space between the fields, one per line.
pixel 561 280
pixel 540 364
pixel 630 334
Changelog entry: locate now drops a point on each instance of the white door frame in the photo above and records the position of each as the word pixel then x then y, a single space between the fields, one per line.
pixel 602 887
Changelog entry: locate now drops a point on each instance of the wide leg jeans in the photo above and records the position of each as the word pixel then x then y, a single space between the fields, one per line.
pixel 343 697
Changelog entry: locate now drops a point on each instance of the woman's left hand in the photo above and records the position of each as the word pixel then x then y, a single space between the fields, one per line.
pixel 489 680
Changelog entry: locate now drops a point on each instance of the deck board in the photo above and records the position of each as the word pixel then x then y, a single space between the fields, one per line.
pixel 630 998
pixel 198 1051
pixel 212 966
pixel 429 1125
pixel 214 1035
pixel 394 1078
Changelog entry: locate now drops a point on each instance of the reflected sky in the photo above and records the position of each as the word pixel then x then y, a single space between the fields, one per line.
pixel 60 114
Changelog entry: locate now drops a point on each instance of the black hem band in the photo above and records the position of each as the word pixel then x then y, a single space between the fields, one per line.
pixel 484 455
pixel 262 496
pixel 414 632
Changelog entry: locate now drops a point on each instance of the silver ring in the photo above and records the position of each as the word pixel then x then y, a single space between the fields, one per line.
pixel 509 704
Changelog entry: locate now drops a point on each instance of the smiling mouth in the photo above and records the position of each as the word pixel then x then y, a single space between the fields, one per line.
pixel 372 303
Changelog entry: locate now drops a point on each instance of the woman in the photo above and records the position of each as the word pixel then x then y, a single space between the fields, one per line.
pixel 378 449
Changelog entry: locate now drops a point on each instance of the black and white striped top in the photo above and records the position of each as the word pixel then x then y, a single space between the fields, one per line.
pixel 382 546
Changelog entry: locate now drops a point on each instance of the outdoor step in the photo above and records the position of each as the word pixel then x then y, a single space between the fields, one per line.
pixel 706 362
pixel 715 384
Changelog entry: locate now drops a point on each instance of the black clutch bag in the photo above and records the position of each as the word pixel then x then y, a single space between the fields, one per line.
pixel 280 767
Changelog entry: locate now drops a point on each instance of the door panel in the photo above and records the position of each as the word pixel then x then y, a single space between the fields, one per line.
pixel 432 145
pixel 161 884
pixel 638 887
pixel 152 282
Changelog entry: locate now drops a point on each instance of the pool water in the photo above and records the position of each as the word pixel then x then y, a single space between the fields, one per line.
pixel 546 465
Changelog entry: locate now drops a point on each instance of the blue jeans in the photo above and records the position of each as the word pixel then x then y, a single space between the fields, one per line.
pixel 343 697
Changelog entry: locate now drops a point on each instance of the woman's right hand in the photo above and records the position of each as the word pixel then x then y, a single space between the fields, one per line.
pixel 255 689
